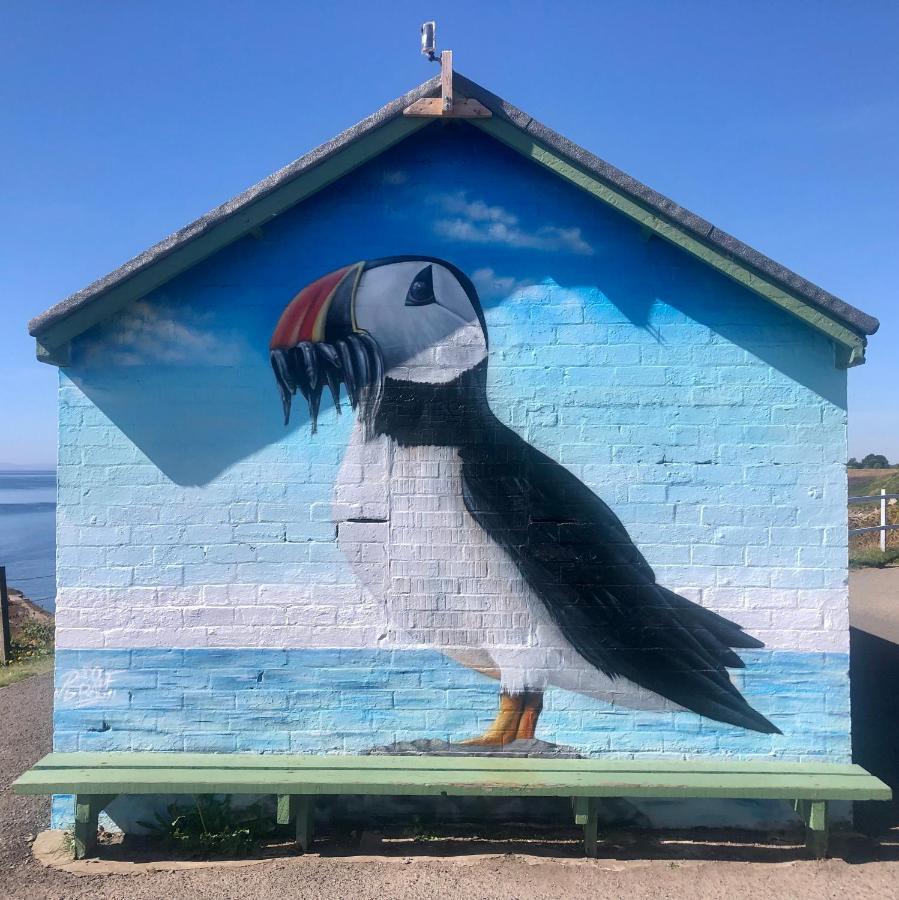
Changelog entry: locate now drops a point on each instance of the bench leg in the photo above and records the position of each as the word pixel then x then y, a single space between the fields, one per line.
pixel 304 820
pixel 87 810
pixel 300 809
pixel 585 814
pixel 286 809
pixel 816 832
pixel 814 815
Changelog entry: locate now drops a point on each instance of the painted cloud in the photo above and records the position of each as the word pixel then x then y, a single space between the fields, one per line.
pixel 148 333
pixel 476 221
pixel 491 285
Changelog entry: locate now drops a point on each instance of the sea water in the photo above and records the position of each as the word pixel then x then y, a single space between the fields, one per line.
pixel 28 533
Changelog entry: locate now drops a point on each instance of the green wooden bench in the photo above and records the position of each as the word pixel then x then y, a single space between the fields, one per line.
pixel 97 778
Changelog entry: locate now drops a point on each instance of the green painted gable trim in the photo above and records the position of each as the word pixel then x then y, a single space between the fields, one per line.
pixel 52 342
pixel 845 325
pixel 849 346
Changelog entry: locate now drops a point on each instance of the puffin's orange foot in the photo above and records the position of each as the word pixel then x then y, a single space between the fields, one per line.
pixel 504 729
pixel 531 707
pixel 516 719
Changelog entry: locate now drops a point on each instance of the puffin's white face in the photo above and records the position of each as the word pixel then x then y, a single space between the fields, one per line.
pixel 422 320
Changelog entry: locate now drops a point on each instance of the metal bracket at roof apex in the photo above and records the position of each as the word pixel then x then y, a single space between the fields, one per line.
pixel 447 105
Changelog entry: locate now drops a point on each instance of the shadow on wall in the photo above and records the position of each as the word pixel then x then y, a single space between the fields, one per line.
pixel 191 422
pixel 873 673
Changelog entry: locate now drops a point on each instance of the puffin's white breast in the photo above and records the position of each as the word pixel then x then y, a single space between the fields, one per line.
pixel 446 584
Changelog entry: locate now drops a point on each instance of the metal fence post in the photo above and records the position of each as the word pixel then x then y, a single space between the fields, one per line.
pixel 5 650
pixel 883 520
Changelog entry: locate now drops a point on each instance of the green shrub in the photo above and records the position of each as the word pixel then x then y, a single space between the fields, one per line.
pixel 34 640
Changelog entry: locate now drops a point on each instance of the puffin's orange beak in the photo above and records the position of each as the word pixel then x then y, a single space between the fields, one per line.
pixel 305 316
pixel 316 343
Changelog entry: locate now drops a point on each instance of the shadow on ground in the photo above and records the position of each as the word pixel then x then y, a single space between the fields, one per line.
pixel 695 845
pixel 874 675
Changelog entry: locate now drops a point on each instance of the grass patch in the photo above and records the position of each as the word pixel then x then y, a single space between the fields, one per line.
pixel 19 670
pixel 210 828
pixel 865 559
pixel 869 481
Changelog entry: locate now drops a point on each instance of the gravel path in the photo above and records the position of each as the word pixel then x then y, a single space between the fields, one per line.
pixel 25 736
pixel 673 872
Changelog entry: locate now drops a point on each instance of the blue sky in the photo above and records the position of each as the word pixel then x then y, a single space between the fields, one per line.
pixel 778 122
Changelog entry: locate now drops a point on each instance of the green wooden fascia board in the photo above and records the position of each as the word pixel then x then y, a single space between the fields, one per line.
pixel 850 346
pixel 58 355
pixel 846 356
pixel 51 343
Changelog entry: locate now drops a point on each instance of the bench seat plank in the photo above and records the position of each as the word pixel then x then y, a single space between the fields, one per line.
pixel 573 783
pixel 160 760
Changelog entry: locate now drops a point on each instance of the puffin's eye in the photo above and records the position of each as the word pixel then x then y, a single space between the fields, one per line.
pixel 421 291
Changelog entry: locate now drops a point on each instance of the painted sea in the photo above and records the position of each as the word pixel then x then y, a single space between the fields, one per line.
pixel 27 533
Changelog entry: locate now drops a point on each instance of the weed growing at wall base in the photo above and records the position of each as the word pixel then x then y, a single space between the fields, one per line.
pixel 210 828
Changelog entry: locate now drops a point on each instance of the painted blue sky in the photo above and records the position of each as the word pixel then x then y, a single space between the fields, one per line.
pixel 544 257
pixel 778 123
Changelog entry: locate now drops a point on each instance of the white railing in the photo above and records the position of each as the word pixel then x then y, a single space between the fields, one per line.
pixel 883 527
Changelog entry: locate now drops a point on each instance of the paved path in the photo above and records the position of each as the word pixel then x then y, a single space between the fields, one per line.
pixel 874 601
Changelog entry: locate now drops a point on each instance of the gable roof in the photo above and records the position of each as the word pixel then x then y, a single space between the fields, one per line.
pixel 845 324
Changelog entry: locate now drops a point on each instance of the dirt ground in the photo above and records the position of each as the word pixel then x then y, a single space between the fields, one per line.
pixel 663 867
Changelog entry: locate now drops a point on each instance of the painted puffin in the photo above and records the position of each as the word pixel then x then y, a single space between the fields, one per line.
pixel 498 556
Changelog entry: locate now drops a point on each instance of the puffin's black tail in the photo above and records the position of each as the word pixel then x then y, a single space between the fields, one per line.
pixel 735 711
pixel 598 589
pixel 730 707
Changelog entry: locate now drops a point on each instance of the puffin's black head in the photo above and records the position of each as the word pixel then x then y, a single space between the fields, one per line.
pixel 412 319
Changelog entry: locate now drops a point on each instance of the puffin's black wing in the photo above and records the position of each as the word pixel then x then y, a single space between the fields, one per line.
pixel 579 559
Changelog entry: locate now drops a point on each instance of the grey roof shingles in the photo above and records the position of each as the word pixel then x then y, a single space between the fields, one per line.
pixel 838 309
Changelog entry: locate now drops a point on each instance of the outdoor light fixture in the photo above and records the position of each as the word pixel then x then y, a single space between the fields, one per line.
pixel 429 41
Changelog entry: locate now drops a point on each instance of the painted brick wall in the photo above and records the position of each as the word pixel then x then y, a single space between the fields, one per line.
pixel 204 602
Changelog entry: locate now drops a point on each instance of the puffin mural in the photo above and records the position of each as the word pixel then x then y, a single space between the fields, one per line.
pixel 497 555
